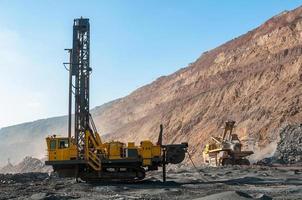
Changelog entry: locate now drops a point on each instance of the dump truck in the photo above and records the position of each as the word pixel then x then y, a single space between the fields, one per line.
pixel 226 149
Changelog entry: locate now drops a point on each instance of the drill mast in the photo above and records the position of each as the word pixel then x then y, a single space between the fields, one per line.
pixel 85 156
pixel 79 73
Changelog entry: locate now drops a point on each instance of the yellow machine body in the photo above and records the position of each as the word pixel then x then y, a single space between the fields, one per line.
pixel 147 150
pixel 63 149
pixel 226 149
pixel 110 160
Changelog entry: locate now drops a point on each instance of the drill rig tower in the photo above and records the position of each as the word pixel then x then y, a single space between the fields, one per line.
pixel 80 70
pixel 83 154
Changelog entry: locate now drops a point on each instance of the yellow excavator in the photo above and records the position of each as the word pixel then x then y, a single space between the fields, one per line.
pixel 226 149
pixel 83 154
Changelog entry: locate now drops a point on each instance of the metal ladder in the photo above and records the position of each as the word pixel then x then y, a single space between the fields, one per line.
pixel 93 160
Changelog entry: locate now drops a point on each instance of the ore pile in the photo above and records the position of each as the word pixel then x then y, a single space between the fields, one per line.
pixel 289 147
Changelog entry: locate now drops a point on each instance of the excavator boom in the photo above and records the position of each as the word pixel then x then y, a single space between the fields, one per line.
pixel 226 150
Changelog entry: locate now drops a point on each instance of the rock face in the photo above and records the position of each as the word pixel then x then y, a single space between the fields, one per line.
pixel 254 79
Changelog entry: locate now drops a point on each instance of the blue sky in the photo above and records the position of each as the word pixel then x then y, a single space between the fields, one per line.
pixel 132 43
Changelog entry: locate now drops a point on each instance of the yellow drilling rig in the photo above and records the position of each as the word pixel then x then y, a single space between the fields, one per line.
pixel 83 154
pixel 226 149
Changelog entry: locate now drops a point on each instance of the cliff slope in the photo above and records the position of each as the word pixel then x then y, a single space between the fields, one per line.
pixel 254 79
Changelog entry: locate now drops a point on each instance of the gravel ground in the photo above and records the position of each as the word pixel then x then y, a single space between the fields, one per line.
pixel 206 183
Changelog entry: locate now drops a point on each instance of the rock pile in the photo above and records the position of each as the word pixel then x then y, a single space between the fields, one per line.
pixel 9 168
pixel 28 164
pixel 289 147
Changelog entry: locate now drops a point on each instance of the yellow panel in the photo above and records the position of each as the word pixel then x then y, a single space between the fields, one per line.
pixel 131 144
pixel 115 150
pixel 146 147
pixel 146 162
pixel 156 151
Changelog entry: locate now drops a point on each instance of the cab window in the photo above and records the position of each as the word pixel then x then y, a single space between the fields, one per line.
pixel 53 144
pixel 63 144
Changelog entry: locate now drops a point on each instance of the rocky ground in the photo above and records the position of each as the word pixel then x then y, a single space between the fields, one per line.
pixel 207 183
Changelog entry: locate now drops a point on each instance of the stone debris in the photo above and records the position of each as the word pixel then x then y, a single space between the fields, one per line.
pixel 235 183
pixel 289 148
pixel 22 178
pixel 28 164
